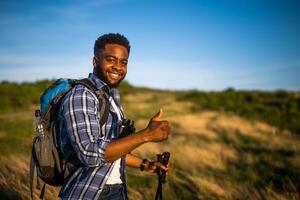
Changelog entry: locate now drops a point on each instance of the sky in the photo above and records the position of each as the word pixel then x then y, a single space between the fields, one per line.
pixel 176 45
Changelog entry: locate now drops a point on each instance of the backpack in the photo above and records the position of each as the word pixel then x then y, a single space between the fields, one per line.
pixel 51 167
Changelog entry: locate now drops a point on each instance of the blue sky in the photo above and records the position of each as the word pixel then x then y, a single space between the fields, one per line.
pixel 205 45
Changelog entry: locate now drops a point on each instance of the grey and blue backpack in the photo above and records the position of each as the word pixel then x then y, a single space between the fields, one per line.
pixel 51 166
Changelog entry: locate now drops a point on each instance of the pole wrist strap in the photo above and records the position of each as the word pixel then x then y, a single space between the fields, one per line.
pixel 143 164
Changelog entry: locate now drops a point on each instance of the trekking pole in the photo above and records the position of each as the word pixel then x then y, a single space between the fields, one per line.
pixel 164 159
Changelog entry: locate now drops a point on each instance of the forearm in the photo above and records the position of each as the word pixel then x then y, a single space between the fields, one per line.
pixel 122 146
pixel 156 131
pixel 150 166
pixel 133 161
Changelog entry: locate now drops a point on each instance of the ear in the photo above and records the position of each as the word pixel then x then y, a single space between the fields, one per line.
pixel 94 62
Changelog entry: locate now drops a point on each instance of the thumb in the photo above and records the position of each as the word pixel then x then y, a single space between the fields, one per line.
pixel 157 116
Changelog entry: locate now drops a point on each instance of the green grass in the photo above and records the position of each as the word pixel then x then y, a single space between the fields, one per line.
pixel 279 108
pixel 16 136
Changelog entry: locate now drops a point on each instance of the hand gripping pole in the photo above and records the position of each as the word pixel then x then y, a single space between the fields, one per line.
pixel 164 159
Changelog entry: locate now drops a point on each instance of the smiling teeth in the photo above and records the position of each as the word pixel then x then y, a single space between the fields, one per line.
pixel 114 75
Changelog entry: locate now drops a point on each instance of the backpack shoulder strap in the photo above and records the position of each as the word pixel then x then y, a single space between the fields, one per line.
pixel 102 98
pixel 31 176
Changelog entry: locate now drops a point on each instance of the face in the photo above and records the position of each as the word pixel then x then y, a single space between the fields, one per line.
pixel 111 64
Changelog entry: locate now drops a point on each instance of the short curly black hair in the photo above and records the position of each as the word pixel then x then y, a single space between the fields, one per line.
pixel 110 38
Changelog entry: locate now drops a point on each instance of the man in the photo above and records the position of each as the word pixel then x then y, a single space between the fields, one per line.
pixel 102 153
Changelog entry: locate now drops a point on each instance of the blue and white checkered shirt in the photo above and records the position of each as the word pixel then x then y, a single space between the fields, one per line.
pixel 81 134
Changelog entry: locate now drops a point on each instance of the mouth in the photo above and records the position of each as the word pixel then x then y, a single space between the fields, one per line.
pixel 114 75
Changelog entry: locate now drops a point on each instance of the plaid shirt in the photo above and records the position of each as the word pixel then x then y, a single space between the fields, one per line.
pixel 81 134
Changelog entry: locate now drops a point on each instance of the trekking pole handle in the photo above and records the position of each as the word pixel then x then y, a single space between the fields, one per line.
pixel 165 158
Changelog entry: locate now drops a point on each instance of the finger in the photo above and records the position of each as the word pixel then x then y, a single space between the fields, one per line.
pixel 168 165
pixel 167 171
pixel 157 116
pixel 152 166
pixel 161 166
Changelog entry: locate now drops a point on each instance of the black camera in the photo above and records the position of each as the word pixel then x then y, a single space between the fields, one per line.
pixel 126 128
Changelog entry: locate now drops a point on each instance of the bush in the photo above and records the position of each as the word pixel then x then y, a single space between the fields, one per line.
pixel 16 96
pixel 279 108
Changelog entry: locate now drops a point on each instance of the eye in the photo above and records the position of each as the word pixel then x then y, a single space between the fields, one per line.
pixel 110 59
pixel 124 62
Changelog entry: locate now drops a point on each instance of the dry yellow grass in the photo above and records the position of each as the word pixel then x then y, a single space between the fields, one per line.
pixel 211 152
pixel 25 115
pixel 209 186
pixel 14 176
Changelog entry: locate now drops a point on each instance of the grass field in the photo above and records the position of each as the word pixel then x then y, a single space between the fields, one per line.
pixel 214 154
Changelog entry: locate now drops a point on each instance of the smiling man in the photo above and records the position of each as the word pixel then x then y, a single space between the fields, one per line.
pixel 102 149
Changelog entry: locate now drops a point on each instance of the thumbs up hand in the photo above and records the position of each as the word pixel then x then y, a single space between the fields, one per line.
pixel 157 116
pixel 157 130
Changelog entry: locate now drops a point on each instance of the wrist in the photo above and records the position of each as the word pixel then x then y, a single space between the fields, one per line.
pixel 144 164
pixel 145 135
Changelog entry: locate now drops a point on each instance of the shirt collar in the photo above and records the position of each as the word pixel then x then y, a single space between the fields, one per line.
pixel 98 82
pixel 101 84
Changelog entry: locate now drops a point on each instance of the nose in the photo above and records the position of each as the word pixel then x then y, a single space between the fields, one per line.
pixel 118 65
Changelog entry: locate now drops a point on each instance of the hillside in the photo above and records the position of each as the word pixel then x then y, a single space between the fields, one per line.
pixel 215 153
